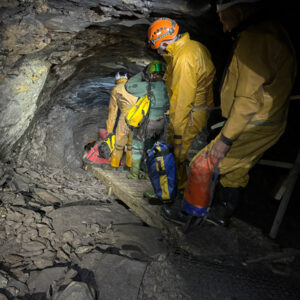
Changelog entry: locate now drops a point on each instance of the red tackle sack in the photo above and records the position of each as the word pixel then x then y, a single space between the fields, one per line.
pixel 200 187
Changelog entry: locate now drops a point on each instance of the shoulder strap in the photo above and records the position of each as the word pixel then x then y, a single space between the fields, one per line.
pixel 149 90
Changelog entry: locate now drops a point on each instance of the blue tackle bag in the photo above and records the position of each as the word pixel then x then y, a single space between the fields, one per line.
pixel 162 171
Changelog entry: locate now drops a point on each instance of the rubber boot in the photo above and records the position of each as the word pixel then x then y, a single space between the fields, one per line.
pixel 150 195
pixel 137 153
pixel 172 212
pixel 227 200
pixel 135 168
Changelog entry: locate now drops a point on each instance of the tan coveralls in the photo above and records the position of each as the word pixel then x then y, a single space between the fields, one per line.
pixel 120 99
pixel 254 99
pixel 189 77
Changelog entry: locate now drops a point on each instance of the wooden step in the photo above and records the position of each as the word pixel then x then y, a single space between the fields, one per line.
pixel 130 192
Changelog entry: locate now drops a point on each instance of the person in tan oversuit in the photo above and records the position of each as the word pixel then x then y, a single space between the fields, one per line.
pixel 121 100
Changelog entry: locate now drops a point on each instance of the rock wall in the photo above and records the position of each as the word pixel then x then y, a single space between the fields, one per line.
pixel 42 45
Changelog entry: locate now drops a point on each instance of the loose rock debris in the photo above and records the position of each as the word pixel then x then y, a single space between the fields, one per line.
pixel 62 236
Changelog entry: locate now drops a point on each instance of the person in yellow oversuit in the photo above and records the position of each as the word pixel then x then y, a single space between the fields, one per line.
pixel 121 100
pixel 189 80
pixel 254 99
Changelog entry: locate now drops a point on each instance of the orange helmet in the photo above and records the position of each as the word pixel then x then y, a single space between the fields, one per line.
pixel 161 30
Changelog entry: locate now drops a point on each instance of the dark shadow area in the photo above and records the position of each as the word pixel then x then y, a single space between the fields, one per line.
pixel 259 206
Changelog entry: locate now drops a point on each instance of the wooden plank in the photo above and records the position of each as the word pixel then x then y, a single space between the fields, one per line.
pixel 278 164
pixel 131 192
pixel 291 182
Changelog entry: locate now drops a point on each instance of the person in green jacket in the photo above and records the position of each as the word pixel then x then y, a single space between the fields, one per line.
pixel 150 82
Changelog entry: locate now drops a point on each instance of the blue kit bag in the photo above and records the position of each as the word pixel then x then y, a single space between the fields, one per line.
pixel 162 171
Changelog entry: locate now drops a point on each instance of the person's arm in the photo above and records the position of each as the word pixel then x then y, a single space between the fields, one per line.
pixel 183 87
pixel 112 112
pixel 251 72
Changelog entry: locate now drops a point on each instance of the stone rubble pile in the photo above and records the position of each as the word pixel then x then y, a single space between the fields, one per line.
pixel 50 220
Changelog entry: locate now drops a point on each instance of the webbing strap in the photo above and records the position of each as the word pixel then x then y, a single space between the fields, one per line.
pixel 118 147
pixel 161 152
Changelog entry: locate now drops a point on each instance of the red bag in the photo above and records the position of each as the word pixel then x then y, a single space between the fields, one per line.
pixel 200 186
pixel 93 158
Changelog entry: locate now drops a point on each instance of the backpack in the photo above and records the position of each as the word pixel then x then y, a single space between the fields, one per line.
pixel 107 146
pixel 162 172
pixel 138 113
pixel 93 158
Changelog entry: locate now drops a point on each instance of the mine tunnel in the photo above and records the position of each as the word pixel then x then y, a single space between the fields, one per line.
pixel 63 233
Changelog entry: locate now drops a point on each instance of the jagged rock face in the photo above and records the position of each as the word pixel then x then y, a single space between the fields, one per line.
pixel 48 47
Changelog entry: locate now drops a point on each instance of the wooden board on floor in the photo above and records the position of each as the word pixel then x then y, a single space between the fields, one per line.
pixel 130 191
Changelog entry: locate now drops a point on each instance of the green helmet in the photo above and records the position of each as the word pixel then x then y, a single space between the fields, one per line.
pixel 156 66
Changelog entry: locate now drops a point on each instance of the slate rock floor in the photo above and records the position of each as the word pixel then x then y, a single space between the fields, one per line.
pixel 62 236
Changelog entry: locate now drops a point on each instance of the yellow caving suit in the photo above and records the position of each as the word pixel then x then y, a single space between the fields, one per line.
pixel 189 78
pixel 254 99
pixel 120 99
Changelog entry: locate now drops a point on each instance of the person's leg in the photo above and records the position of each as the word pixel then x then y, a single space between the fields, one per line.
pixel 128 157
pixel 193 128
pixel 122 133
pixel 234 169
pixel 137 153
pixel 226 200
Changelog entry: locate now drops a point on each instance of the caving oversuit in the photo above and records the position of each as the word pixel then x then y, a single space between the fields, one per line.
pixel 145 136
pixel 254 100
pixel 189 79
pixel 120 99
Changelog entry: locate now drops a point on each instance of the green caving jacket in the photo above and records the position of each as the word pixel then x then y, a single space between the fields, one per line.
pixel 159 98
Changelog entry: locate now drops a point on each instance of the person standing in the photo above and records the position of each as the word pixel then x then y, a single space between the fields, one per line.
pixel 254 100
pixel 121 100
pixel 189 79
pixel 148 83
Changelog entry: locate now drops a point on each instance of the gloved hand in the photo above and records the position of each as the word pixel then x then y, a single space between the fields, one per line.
pixel 219 149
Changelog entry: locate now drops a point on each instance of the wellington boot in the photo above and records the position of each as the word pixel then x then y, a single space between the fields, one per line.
pixel 116 156
pixel 172 212
pixel 143 175
pixel 150 195
pixel 152 198
pixel 227 201
pixel 135 168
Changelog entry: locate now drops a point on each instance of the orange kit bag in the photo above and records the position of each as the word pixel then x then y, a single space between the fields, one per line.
pixel 201 184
